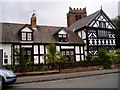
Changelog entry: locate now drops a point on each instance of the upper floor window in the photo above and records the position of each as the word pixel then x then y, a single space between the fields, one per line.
pixel 102 33
pixel 63 37
pixel 26 36
pixel 102 24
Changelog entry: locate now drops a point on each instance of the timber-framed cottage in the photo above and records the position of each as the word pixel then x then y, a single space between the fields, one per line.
pixel 84 34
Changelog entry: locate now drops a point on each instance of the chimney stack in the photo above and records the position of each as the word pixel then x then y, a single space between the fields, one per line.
pixel 33 22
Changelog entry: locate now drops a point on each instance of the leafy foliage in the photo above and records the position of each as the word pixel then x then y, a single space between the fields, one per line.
pixel 21 58
pixel 89 56
pixel 117 22
pixel 114 58
pixel 53 56
pixel 102 55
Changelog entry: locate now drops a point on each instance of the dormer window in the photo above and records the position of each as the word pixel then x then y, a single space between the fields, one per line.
pixel 26 33
pixel 26 36
pixel 63 37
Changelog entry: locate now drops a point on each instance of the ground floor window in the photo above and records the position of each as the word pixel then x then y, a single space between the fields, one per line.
pixel 28 55
pixel 5 58
pixel 69 53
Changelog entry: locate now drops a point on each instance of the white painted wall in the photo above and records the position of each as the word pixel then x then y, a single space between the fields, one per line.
pixel 41 49
pixel 77 57
pixel 79 34
pixel 35 49
pixel 77 50
pixel 83 34
pixel 62 32
pixel 25 46
pixel 67 47
pixel 26 29
pixel 58 48
pixel 41 59
pixel 36 60
pixel 7 50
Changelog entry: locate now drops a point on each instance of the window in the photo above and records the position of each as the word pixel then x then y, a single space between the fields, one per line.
pixel 102 24
pixel 102 33
pixel 63 37
pixel 27 36
pixel 5 58
pixel 69 54
pixel 5 61
pixel 23 36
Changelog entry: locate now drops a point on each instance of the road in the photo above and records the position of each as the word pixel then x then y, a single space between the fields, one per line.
pixel 99 81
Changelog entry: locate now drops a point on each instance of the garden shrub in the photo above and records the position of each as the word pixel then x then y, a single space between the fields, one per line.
pixel 11 67
pixel 89 56
pixel 102 55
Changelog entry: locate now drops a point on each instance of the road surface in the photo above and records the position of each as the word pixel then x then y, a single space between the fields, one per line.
pixel 99 81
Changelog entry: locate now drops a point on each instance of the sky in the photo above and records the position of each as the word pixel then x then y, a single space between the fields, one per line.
pixel 51 12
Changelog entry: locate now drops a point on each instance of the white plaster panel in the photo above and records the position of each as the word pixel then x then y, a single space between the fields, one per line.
pixel 114 41
pixel 85 53
pixel 79 34
pixel 58 48
pixel 36 60
pixel 62 32
pixel 81 50
pixel 7 50
pixel 82 57
pixel 41 59
pixel 36 49
pixel 77 51
pixel 26 29
pixel 67 47
pixel 41 49
pixel 95 41
pixel 77 57
pixel 25 46
pixel 110 42
pixel 106 42
pixel 17 46
pixel 84 41
pixel 83 35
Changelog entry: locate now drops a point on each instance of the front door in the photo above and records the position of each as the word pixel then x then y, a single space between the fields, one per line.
pixel 28 55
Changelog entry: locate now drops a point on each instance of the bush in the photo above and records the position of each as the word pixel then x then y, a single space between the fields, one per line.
pixel 44 68
pixel 102 55
pixel 89 56
pixel 10 67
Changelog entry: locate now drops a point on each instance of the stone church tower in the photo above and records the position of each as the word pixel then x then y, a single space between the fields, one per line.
pixel 75 14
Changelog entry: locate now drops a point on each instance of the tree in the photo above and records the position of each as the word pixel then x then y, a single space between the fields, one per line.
pixel 21 59
pixel 53 56
pixel 117 22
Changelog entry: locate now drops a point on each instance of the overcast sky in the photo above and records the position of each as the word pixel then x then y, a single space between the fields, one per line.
pixel 52 12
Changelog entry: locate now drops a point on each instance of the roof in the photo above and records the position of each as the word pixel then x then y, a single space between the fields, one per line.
pixel 87 20
pixel 44 34
pixel 84 21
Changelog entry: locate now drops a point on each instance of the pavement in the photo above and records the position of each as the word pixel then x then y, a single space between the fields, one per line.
pixel 59 76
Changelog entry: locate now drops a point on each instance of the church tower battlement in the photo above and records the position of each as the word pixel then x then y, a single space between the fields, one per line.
pixel 75 14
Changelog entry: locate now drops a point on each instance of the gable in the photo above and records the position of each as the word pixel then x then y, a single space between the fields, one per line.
pixel 62 31
pixel 102 21
pixel 26 29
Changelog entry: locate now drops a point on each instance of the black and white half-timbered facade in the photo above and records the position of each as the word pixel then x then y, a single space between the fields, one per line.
pixel 97 31
pixel 34 38
pixel 87 34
